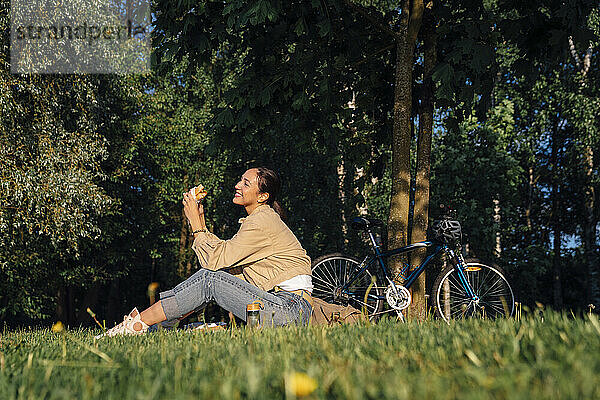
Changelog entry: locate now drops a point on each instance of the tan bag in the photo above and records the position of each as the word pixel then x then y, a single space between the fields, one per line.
pixel 331 314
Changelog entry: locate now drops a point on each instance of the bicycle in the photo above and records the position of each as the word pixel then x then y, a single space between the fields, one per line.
pixel 466 288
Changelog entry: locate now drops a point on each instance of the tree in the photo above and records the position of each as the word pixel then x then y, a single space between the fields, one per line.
pixel 52 200
pixel 583 116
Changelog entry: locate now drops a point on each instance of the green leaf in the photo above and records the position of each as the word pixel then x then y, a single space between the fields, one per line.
pixel 324 28
pixel 300 26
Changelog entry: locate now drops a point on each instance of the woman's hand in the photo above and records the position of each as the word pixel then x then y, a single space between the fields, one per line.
pixel 194 211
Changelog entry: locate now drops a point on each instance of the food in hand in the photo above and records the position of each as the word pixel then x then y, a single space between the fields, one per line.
pixel 199 192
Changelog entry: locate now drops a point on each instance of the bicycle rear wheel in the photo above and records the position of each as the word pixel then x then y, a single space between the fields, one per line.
pixel 332 271
pixel 496 299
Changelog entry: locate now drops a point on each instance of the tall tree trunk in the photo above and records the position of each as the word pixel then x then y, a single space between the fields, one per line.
pixel 529 200
pixel 421 211
pixel 589 221
pixel 65 305
pixel 497 220
pixel 62 307
pixel 589 231
pixel 556 267
pixel 114 308
pixel 556 260
pixel 89 301
pixel 362 209
pixel 188 267
pixel 183 238
pixel 411 18
pixel 341 175
pixel 405 40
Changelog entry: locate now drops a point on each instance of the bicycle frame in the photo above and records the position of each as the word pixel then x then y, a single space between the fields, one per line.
pixel 438 248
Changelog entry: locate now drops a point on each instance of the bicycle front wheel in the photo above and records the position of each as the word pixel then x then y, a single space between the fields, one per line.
pixel 331 273
pixel 496 299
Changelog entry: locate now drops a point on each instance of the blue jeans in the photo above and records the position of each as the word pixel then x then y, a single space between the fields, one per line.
pixel 233 294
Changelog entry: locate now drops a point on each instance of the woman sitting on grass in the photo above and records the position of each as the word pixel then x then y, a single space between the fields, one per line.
pixel 263 262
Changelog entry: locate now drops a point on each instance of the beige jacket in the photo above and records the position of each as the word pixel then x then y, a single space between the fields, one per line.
pixel 264 252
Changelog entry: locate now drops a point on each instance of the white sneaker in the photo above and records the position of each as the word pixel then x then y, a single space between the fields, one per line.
pixel 132 325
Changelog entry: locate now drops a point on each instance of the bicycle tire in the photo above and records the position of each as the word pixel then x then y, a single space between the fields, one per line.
pixel 496 297
pixel 331 271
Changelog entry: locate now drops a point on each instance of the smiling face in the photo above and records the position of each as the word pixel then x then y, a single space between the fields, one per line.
pixel 247 193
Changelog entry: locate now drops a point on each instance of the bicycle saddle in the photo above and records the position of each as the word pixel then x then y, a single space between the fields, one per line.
pixel 365 223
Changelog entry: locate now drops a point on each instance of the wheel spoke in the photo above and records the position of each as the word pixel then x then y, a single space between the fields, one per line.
pixel 336 273
pixel 323 282
pixel 484 280
pixel 498 282
pixel 331 275
pixel 362 304
pixel 320 273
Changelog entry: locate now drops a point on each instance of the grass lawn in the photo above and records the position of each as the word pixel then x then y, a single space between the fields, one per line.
pixel 542 356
